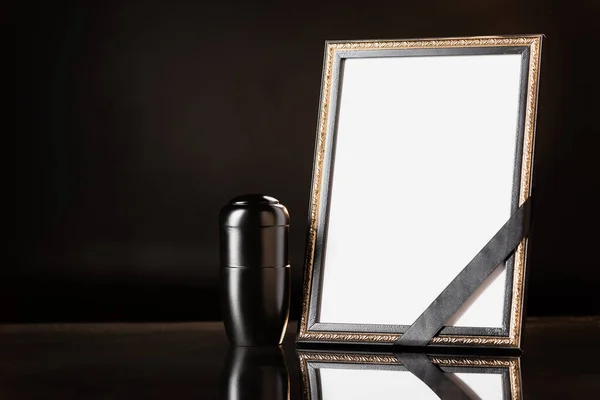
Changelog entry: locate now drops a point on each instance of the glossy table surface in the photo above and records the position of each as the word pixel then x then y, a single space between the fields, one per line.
pixel 561 360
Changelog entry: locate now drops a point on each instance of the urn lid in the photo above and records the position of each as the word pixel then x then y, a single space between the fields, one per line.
pixel 252 210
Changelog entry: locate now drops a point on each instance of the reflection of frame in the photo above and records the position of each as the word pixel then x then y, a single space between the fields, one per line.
pixel 424 150
pixel 312 365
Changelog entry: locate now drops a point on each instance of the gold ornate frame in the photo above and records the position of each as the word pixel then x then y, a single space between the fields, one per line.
pixel 511 364
pixel 533 44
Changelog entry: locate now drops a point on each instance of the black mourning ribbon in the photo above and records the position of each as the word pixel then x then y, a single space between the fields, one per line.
pixel 441 384
pixel 497 250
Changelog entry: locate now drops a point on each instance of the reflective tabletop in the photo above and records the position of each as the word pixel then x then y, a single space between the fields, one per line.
pixel 560 360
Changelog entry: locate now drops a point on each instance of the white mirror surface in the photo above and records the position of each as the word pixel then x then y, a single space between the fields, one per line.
pixel 423 178
pixel 364 384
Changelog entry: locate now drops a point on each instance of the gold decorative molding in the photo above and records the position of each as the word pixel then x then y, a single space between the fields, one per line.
pixel 316 187
pixel 525 188
pixel 391 338
pixel 515 380
pixel 383 358
pixel 471 340
pixel 534 44
pixel 471 362
pixel 349 358
pixel 348 337
pixel 436 43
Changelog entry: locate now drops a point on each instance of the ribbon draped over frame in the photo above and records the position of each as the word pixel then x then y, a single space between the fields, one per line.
pixel 497 250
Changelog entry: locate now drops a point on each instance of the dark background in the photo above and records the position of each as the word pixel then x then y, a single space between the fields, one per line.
pixel 136 122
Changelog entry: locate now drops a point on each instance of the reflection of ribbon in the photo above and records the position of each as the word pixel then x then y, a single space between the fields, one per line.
pixel 421 367
pixel 498 249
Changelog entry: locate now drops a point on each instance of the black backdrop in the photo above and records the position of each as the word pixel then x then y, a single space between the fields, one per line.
pixel 136 122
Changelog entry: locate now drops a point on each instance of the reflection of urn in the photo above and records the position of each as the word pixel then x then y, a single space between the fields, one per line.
pixel 255 373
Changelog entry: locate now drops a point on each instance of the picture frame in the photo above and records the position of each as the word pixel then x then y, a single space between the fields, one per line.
pixel 424 152
pixel 336 375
